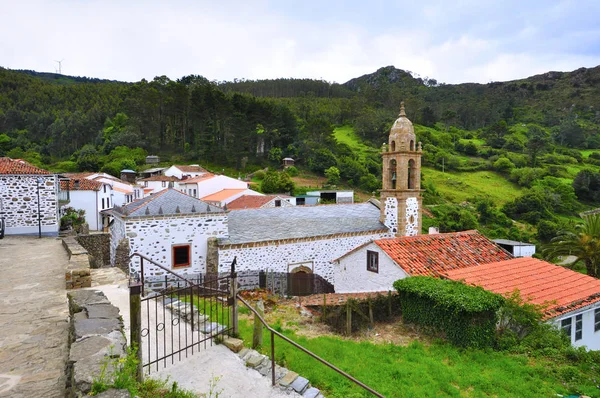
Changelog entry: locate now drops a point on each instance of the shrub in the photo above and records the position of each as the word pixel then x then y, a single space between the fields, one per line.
pixel 72 218
pixel 292 171
pixel 259 175
pixel 466 314
pixel 503 165
pixel 333 175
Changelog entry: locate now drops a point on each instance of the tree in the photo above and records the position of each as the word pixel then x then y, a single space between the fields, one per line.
pixel 333 175
pixel 584 244
pixel 538 142
pixel 276 182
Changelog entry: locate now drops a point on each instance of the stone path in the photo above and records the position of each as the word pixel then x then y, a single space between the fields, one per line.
pixel 33 317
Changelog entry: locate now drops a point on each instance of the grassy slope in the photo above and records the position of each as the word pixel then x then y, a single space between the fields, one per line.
pixel 346 135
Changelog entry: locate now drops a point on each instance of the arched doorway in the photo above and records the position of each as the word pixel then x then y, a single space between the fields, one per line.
pixel 300 281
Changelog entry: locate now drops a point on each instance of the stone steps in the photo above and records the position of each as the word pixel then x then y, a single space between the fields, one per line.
pixel 286 380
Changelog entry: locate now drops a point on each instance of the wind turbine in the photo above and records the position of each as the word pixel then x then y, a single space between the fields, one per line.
pixel 59 66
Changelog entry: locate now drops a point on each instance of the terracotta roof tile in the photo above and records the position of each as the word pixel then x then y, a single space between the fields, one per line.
pixel 161 178
pixel 190 169
pixel 433 255
pixel 19 166
pixel 562 289
pixel 222 194
pixel 75 184
pixel 197 179
pixel 250 202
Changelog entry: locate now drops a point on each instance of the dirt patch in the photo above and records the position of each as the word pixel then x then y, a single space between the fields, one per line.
pixel 289 315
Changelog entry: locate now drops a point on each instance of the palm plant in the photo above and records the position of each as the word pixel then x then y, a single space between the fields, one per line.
pixel 584 244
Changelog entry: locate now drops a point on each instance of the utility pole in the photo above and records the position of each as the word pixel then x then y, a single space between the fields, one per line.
pixel 60 66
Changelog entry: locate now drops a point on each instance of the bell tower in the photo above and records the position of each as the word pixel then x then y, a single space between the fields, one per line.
pixel 401 200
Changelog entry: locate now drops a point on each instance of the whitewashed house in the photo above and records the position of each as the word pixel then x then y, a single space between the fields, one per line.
pixel 184 171
pixel 89 195
pixel 171 228
pixel 374 266
pixel 572 299
pixel 29 198
pixel 155 184
pixel 208 184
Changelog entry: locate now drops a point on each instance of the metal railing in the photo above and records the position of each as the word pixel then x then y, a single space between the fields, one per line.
pixel 315 356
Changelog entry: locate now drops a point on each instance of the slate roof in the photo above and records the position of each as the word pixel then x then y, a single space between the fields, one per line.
pixel 258 225
pixel 250 202
pixel 19 166
pixel 76 184
pixel 433 255
pixel 165 202
pixel 562 289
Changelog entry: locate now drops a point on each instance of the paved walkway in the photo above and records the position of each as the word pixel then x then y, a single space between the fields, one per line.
pixel 215 367
pixel 33 317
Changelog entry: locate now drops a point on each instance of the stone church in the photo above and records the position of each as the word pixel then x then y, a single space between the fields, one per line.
pixel 189 236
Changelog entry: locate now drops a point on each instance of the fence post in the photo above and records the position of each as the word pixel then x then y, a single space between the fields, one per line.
pixel 135 321
pixel 370 311
pixel 348 318
pixel 257 336
pixel 390 302
pixel 324 311
pixel 233 298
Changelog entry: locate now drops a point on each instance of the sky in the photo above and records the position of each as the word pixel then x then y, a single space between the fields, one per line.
pixel 451 41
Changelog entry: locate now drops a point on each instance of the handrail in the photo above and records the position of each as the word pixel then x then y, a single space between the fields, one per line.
pixel 318 358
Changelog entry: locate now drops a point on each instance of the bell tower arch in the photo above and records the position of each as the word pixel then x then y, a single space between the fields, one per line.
pixel 401 199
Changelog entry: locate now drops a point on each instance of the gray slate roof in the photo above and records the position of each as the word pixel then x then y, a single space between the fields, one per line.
pixel 168 201
pixel 257 225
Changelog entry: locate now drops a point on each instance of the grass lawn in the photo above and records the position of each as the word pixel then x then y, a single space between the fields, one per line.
pixel 421 370
pixel 346 135
pixel 458 187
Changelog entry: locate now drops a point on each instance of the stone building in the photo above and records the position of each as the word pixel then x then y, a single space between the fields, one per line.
pixel 289 239
pixel 29 198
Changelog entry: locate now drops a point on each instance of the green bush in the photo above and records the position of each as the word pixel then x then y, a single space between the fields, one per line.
pixel 503 165
pixel 72 218
pixel 466 314
pixel 292 171
pixel 259 175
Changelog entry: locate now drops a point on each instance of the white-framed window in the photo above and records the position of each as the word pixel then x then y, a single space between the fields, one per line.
pixel 578 327
pixel 181 256
pixel 566 326
pixel 372 261
pixel 597 320
pixel 102 203
pixel 164 184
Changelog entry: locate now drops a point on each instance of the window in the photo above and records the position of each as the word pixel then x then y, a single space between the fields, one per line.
pixel 372 261
pixel 194 193
pixel 164 184
pixel 277 203
pixel 104 188
pixel 578 327
pixel 181 256
pixel 565 325
pixel 146 183
pixel 102 203
pixel 597 320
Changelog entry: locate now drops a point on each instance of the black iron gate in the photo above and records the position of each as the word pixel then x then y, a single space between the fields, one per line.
pixel 179 316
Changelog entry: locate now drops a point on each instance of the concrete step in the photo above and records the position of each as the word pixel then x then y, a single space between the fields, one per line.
pixel 300 385
pixel 312 392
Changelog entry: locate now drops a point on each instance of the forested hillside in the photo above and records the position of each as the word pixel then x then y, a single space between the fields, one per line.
pixel 494 153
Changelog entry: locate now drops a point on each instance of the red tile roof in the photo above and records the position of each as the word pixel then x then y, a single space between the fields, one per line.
pixel 190 169
pixel 199 178
pixel 250 202
pixel 161 178
pixel 19 166
pixel 562 289
pixel 76 184
pixel 223 194
pixel 433 255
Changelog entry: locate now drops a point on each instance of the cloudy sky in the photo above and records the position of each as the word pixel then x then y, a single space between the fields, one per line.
pixel 451 41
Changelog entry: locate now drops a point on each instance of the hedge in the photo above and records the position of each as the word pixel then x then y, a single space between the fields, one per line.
pixel 466 314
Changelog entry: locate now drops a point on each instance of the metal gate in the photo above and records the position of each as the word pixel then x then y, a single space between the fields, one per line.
pixel 180 316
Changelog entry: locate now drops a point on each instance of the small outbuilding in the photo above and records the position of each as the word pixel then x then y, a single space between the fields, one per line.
pixel 517 249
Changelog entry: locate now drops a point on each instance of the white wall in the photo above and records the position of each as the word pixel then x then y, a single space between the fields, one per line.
pixel 154 237
pixel 86 200
pixel 352 276
pixel 175 172
pixel 590 339
pixel 524 251
pixel 19 194
pixel 278 255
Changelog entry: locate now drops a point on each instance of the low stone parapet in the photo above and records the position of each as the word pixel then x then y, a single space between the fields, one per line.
pixel 96 337
pixel 77 274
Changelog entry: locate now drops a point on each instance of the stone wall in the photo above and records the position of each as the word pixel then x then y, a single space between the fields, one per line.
pixel 285 255
pixel 96 337
pixel 19 195
pixel 77 274
pixel 98 248
pixel 154 237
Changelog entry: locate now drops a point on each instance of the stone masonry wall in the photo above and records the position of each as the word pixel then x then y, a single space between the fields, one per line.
pixel 20 203
pixel 98 248
pixel 154 237
pixel 77 274
pixel 284 256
